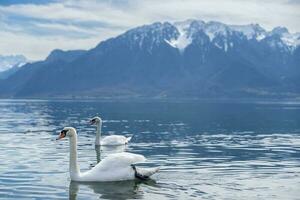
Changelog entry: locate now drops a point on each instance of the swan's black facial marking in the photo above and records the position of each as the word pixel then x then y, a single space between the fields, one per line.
pixel 62 134
pixel 93 121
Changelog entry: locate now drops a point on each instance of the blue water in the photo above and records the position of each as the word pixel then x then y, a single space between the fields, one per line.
pixel 206 149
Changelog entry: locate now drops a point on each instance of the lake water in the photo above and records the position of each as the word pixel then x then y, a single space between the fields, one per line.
pixel 206 150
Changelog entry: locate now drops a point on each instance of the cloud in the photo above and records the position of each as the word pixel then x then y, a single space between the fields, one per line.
pixel 39 48
pixel 35 29
pixel 268 13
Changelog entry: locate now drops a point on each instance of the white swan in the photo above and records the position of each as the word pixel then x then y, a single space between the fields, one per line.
pixel 111 140
pixel 115 167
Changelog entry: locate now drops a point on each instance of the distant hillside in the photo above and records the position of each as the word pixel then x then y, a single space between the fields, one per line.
pixel 10 64
pixel 7 73
pixel 183 59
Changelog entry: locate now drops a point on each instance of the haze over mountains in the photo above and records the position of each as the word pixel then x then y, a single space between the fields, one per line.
pixel 7 62
pixel 188 59
pixel 10 64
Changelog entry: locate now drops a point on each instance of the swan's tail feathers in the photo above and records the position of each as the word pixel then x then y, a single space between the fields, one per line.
pixel 144 173
pixel 148 171
pixel 128 139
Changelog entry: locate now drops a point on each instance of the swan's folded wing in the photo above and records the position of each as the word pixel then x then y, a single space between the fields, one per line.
pixel 114 140
pixel 120 160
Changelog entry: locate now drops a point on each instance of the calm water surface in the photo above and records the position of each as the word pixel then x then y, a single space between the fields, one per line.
pixel 206 150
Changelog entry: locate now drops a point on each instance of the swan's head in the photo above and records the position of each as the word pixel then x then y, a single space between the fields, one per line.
pixel 67 131
pixel 95 120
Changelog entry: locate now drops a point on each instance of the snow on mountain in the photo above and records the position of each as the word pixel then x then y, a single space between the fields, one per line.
pixel 152 35
pixel 187 29
pixel 182 41
pixel 212 29
pixel 7 62
pixel 291 40
pixel 250 31
pixel 181 34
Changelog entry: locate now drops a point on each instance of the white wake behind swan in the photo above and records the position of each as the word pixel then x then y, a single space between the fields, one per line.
pixel 115 167
pixel 111 140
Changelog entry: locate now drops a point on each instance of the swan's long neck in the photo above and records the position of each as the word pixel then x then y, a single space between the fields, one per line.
pixel 74 167
pixel 98 133
pixel 98 153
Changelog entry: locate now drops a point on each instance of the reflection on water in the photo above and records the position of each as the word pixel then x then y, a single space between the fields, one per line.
pixel 111 190
pixel 207 150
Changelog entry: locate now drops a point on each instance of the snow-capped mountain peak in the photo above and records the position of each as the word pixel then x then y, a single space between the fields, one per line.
pixel 290 39
pixel 6 62
pixel 213 28
pixel 183 40
pixel 181 34
pixel 251 31
pixel 279 31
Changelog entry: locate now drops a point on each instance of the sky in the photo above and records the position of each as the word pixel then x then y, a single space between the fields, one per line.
pixel 35 27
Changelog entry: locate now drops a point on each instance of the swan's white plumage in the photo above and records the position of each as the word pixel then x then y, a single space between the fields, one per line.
pixel 115 167
pixel 120 160
pixel 113 140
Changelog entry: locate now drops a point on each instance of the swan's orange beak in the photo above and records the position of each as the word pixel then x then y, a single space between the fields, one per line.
pixel 61 135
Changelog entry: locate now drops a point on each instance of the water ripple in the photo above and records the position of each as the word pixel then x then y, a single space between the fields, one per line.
pixel 205 150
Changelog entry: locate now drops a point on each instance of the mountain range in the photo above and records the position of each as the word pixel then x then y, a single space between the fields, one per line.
pixel 187 59
pixel 10 64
